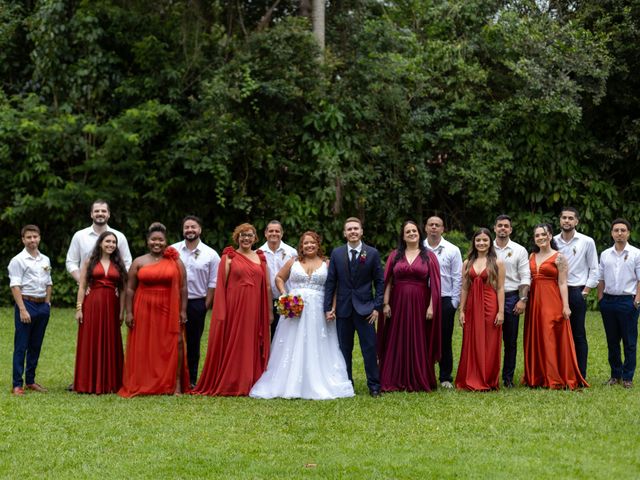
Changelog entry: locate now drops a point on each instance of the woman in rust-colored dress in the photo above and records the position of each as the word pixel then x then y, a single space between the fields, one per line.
pixel 155 362
pixel 549 352
pixel 481 316
pixel 100 312
pixel 239 336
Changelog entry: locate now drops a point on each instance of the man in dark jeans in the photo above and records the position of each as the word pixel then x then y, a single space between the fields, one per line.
pixel 450 260
pixel 516 291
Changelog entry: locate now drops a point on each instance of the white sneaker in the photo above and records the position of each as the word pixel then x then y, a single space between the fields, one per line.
pixel 447 385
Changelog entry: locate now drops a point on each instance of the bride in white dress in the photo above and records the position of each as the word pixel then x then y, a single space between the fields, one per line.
pixel 305 360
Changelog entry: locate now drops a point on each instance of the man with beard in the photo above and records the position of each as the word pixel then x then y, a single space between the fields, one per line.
pixel 580 252
pixel 201 263
pixel 516 291
pixel 84 240
pixel 277 254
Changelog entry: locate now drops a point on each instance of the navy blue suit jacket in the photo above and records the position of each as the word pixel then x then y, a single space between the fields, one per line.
pixel 354 292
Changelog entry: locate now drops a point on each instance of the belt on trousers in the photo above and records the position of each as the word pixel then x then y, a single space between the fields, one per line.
pixel 512 293
pixel 607 295
pixel 29 298
pixel 581 287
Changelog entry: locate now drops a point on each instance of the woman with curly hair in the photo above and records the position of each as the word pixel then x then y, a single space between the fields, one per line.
pixel 155 363
pixel 306 361
pixel 100 312
pixel 239 336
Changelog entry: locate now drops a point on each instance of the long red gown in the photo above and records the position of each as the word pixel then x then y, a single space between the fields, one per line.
pixel 408 344
pixel 479 367
pixel 99 354
pixel 151 361
pixel 549 351
pixel 239 337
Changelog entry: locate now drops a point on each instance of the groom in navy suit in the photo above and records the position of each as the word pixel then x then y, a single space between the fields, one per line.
pixel 353 270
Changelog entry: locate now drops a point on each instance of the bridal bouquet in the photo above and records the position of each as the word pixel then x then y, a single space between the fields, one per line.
pixel 290 305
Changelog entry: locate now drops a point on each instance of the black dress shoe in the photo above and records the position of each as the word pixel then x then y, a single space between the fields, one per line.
pixel 508 384
pixel 374 393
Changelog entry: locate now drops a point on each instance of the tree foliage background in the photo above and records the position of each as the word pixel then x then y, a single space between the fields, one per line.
pixel 229 110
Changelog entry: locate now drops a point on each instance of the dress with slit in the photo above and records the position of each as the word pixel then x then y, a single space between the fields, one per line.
pixel 479 367
pixel 99 354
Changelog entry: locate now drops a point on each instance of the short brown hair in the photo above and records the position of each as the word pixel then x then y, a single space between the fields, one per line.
pixel 29 228
pixel 353 219
pixel 241 228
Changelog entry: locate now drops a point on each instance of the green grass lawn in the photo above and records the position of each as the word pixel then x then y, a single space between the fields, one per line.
pixel 519 433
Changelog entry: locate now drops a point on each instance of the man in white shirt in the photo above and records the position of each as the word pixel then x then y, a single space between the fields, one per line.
pixel 450 260
pixel 30 282
pixel 84 240
pixel 516 291
pixel 580 252
pixel 619 297
pixel 277 254
pixel 201 264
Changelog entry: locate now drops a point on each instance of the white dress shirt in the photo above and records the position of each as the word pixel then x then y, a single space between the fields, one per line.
pixel 276 260
pixel 31 274
pixel 516 263
pixel 82 245
pixel 620 271
pixel 450 260
pixel 201 265
pixel 582 257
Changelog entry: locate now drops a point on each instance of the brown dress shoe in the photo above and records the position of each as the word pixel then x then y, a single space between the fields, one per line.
pixel 627 384
pixel 612 381
pixel 36 387
pixel 17 391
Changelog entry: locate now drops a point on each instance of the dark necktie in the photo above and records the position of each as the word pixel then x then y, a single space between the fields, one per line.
pixel 354 259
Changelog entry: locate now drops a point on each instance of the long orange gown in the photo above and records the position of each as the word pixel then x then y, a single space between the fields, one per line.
pixel 99 354
pixel 151 361
pixel 479 367
pixel 239 337
pixel 549 351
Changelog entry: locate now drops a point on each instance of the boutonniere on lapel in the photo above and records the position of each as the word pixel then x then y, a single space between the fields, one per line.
pixel 48 268
pixel 509 254
pixel 363 256
pixel 626 255
pixel 574 251
pixel 284 254
pixel 196 254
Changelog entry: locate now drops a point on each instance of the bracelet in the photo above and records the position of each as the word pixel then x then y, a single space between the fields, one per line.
pixel 78 306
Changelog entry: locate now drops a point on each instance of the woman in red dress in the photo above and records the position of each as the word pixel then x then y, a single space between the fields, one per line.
pixel 100 312
pixel 549 352
pixel 481 316
pixel 155 363
pixel 239 337
pixel 409 330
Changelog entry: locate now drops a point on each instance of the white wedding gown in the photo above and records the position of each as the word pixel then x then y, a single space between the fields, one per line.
pixel 305 360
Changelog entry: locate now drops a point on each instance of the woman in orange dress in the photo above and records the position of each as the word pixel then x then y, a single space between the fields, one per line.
pixel 155 362
pixel 239 336
pixel 549 351
pixel 481 316
pixel 100 312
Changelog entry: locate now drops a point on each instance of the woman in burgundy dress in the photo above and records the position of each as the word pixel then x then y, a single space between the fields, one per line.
pixel 100 312
pixel 409 330
pixel 239 336
pixel 481 316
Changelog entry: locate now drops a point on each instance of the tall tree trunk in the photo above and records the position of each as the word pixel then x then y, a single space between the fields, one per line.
pixel 318 21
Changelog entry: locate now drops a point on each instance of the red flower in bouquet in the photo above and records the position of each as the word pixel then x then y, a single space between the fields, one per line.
pixel 290 305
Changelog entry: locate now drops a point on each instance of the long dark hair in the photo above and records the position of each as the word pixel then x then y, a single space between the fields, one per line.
pixel 115 258
pixel 492 258
pixel 547 226
pixel 402 245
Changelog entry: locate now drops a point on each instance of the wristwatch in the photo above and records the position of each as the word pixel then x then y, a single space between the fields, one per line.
pixel 524 299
